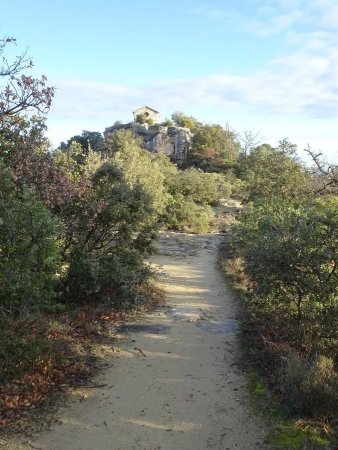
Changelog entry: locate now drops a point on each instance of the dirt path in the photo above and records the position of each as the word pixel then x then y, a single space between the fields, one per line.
pixel 176 383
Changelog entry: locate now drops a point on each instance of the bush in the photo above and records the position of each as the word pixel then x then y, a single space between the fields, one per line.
pixel 310 385
pixel 199 187
pixel 23 346
pixel 106 243
pixel 181 120
pixel 140 168
pixel 115 279
pixel 168 123
pixel 143 118
pixel 179 198
pixel 291 257
pixel 185 215
pixel 127 272
pixel 29 248
pixel 269 171
pixel 213 148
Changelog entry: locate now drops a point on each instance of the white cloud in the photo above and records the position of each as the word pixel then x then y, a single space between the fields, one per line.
pixel 266 102
pixel 276 17
pixel 304 82
pixel 275 24
pixel 330 18
pixel 301 82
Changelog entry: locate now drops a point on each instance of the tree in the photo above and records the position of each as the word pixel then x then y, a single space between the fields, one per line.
pixel 269 171
pixel 249 140
pixel 53 176
pixel 168 123
pixel 139 167
pixel 88 140
pixel 213 146
pixel 326 175
pixel 143 118
pixel 287 148
pixel 22 135
pixel 198 186
pixel 181 120
pixel 21 92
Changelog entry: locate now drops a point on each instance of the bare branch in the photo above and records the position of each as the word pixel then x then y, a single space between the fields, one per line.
pixel 20 62
pixel 326 174
pixel 249 140
pixel 21 92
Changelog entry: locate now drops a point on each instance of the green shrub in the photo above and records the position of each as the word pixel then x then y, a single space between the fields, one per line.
pixel 140 168
pixel 143 118
pixel 127 272
pixel 213 148
pixel 106 244
pixel 28 248
pixel 23 345
pixel 291 258
pixel 185 215
pixel 269 171
pixel 199 187
pixel 116 278
pixel 168 123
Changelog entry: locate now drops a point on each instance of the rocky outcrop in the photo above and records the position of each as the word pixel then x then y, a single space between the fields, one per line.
pixel 172 141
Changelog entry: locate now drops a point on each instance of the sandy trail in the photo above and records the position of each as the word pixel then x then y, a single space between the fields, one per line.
pixel 176 383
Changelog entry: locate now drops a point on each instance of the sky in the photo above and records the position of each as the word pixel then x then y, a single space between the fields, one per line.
pixel 269 66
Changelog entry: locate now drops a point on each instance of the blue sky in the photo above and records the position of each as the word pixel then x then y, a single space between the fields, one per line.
pixel 268 66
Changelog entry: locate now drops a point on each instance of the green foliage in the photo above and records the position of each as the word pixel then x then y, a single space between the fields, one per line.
pixel 28 247
pixel 108 205
pixel 113 279
pixel 183 214
pixel 181 120
pixel 286 434
pixel 75 162
pixel 291 257
pixel 189 196
pixel 199 187
pixel 213 148
pixel 55 308
pixel 125 271
pixel 110 227
pixel 269 171
pixel 143 118
pixel 140 168
pixel 89 140
pixel 107 242
pixel 168 123
pixel 287 241
pixel 20 134
pixel 119 140
pixel 23 345
pixel 180 199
